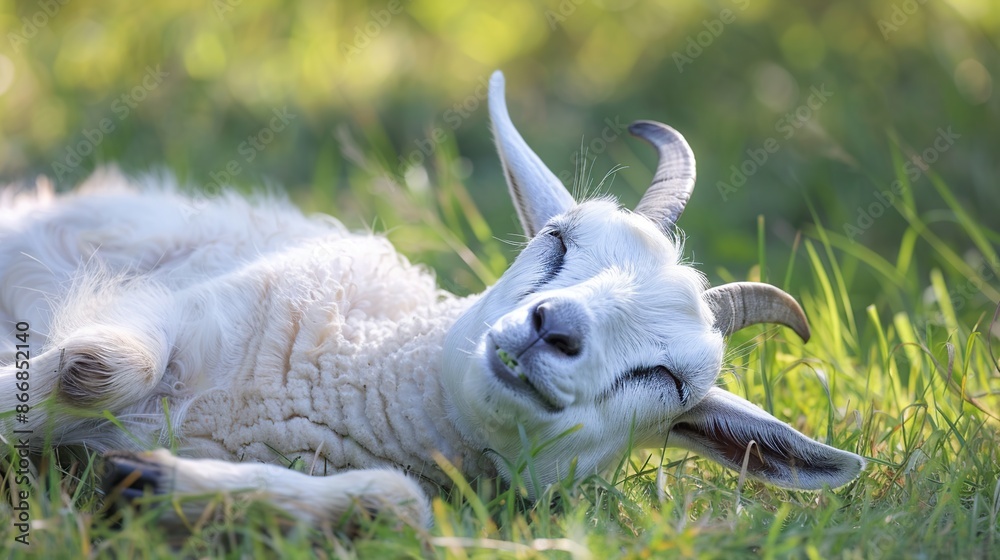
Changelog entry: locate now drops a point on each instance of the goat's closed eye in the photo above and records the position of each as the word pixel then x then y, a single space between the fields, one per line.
pixel 556 254
pixel 558 235
pixel 653 374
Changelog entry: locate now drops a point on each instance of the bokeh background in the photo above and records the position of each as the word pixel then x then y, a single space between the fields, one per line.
pixel 375 112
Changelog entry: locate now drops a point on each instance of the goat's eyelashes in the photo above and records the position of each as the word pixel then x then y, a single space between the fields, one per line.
pixel 654 375
pixel 664 373
pixel 682 388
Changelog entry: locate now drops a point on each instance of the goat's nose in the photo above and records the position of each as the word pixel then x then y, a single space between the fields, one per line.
pixel 560 325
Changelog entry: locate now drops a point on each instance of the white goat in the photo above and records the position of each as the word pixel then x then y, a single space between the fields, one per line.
pixel 263 330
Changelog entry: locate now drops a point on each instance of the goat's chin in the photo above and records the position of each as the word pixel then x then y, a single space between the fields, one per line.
pixel 493 399
pixel 492 406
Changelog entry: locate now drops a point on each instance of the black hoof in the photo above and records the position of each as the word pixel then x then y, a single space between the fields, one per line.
pixel 128 476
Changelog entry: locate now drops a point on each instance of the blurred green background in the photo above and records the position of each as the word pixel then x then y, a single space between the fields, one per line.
pixel 375 111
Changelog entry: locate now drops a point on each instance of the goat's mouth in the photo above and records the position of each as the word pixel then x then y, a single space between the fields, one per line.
pixel 506 369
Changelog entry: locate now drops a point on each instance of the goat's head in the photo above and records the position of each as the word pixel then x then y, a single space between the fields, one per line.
pixel 598 336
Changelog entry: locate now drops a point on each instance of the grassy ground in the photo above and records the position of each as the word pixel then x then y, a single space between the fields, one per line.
pixel 907 378
pixel 900 368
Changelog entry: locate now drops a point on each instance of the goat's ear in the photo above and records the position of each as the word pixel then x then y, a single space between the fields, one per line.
pixel 722 425
pixel 537 193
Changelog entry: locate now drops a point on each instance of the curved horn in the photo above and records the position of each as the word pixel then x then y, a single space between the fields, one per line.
pixel 537 193
pixel 741 304
pixel 674 179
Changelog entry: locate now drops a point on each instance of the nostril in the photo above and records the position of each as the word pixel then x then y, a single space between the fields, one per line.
pixel 566 344
pixel 557 326
pixel 538 318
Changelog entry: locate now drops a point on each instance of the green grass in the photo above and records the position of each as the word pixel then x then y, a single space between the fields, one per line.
pixel 906 377
pixel 900 367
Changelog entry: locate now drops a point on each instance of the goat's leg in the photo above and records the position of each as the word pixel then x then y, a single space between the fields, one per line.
pixel 94 368
pixel 313 499
pixel 111 367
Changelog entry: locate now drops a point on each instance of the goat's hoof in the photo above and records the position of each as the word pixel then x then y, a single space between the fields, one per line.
pixel 129 476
